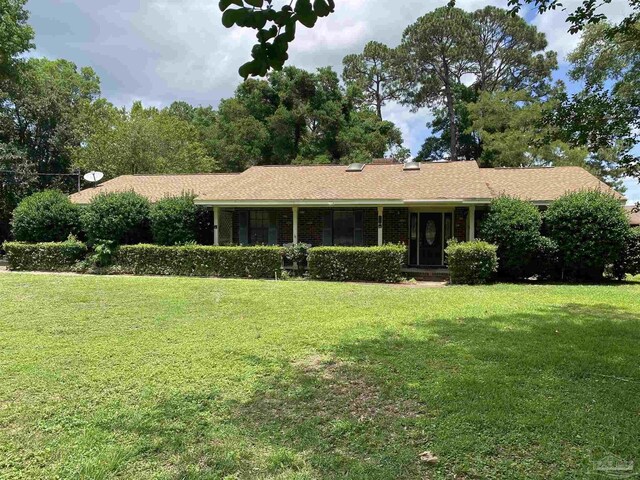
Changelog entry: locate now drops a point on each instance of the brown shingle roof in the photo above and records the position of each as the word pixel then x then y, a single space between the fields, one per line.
pixel 387 182
pixel 434 181
pixel 634 217
pixel 541 184
pixel 156 187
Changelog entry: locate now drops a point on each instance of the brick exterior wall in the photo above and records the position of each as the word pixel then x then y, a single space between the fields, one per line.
pixel 310 225
pixel 396 225
pixel 460 223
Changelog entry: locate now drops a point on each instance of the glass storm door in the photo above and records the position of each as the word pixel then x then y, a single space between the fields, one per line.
pixel 430 239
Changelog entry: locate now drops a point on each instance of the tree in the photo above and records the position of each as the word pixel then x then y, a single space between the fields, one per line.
pixel 511 126
pixel 508 53
pixel 40 112
pixel 297 116
pixel 238 139
pixel 497 52
pixel 603 56
pixel 372 73
pixel 16 34
pixel 143 140
pixel 436 147
pixel 434 56
pixel 17 180
pixel 605 115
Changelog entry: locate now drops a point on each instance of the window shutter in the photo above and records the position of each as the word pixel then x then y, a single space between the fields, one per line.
pixel 358 227
pixel 273 228
pixel 327 228
pixel 243 227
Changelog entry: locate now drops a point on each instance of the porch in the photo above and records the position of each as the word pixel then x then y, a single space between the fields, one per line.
pixel 424 229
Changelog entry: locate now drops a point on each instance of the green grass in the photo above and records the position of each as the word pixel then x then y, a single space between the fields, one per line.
pixel 122 377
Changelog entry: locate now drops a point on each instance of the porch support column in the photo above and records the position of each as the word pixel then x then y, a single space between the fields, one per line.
pixel 216 226
pixel 380 222
pixel 472 222
pixel 295 224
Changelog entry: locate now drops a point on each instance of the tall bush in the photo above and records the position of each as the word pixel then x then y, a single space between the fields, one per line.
pixel 472 262
pixel 122 218
pixel 174 220
pixel 514 226
pixel 590 228
pixel 629 262
pixel 47 216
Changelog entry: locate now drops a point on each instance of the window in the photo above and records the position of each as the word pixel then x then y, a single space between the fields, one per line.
pixel 343 228
pixel 258 227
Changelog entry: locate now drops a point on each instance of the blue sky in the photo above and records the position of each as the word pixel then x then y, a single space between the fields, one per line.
pixel 159 51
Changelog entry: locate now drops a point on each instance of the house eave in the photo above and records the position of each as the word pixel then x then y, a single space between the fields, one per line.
pixel 342 202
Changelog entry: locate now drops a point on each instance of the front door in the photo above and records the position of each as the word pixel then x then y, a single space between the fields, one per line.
pixel 430 239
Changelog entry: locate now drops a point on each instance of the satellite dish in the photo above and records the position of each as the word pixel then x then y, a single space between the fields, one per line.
pixel 93 177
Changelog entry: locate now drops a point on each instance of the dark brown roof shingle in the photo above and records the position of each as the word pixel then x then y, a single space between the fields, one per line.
pixel 435 181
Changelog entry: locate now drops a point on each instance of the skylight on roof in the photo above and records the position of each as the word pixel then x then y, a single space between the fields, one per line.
pixel 355 167
pixel 411 166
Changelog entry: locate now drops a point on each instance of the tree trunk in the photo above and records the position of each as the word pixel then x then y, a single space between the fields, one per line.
pixel 453 128
pixel 378 100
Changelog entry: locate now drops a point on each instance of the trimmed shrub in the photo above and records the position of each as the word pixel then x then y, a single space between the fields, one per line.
pixel 45 257
pixel 472 262
pixel 373 264
pixel 122 218
pixel 199 261
pixel 629 262
pixel 545 260
pixel 296 253
pixel 590 228
pixel 47 216
pixel 174 220
pixel 514 226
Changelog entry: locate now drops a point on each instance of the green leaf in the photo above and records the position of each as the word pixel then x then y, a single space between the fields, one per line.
pixel 255 3
pixel 305 14
pixel 224 4
pixel 237 16
pixel 322 8
pixel 247 69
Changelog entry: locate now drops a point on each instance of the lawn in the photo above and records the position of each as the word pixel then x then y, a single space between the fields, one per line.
pixel 122 377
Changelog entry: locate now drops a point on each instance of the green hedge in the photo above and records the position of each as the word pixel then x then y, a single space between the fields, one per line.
pixel 199 261
pixel 46 257
pixel 472 262
pixel 374 264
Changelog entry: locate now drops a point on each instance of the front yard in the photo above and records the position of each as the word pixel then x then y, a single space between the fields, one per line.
pixel 104 377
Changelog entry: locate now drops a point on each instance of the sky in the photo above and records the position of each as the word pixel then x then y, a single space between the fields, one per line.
pixel 159 51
